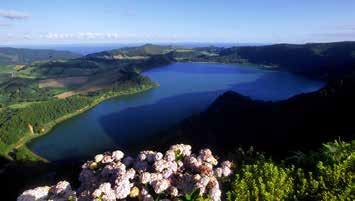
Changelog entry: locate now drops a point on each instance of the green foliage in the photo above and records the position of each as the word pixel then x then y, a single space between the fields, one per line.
pixel 330 176
pixel 22 90
pixel 262 181
pixel 14 122
pixel 72 67
pixel 323 175
pixel 23 154
pixel 27 56
pixel 178 155
pixel 70 198
pixel 194 196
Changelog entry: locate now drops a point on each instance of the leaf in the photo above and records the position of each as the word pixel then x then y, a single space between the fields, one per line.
pixel 195 194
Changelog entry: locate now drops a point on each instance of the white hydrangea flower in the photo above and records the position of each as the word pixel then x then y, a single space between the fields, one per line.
pixel 169 155
pixel 218 172
pixel 145 177
pixel 158 156
pixel 160 165
pixel 180 164
pixel 185 150
pixel 226 164
pixel 99 157
pixel 173 191
pixel 226 171
pixel 119 167
pixel 142 156
pixel 107 159
pixel 131 173
pixel 215 194
pixel 122 188
pixel 117 155
pixel 105 192
pixel 61 191
pixel 160 186
pixel 206 169
pixel 155 177
pixel 61 187
pixel 173 166
pixel 192 162
pixel 167 173
pixel 39 193
pixel 206 155
pixel 202 183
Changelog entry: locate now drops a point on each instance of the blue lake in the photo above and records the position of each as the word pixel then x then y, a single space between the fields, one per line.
pixel 185 88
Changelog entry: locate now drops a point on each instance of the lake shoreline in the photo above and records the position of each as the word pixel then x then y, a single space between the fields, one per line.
pixel 22 144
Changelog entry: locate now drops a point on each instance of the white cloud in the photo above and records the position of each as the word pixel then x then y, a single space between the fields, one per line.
pixel 14 15
pixel 85 36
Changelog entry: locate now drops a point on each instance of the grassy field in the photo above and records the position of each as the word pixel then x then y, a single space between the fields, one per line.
pixel 21 105
pixel 62 82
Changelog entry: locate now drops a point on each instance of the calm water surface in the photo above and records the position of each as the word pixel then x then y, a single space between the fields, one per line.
pixel 185 88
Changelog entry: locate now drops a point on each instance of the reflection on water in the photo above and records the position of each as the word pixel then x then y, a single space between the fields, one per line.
pixel 185 88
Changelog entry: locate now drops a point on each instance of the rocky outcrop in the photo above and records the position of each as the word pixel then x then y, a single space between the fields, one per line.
pixel 150 175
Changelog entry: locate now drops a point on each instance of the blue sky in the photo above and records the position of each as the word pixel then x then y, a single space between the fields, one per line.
pixel 133 21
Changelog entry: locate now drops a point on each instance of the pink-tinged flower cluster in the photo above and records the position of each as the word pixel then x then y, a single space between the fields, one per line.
pixel 61 191
pixel 112 176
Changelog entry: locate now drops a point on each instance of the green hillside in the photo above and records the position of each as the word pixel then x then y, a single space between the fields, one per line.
pixel 27 56
pixel 322 60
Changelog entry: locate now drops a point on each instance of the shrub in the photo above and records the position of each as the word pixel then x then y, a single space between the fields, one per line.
pixel 323 175
pixel 262 181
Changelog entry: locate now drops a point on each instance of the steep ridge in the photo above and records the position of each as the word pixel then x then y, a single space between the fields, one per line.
pixel 298 123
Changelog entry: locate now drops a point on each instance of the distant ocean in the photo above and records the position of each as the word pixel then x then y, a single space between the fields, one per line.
pixel 85 49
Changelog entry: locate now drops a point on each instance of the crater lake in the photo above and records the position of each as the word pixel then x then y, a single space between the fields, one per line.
pixel 185 88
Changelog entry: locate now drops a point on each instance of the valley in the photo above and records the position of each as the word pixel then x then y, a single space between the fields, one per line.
pixel 99 76
pixel 63 111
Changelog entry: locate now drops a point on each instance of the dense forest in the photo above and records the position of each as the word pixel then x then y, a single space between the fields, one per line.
pixel 14 122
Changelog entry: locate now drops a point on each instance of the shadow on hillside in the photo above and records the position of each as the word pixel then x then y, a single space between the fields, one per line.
pixel 129 135
pixel 17 177
pixel 156 118
pixel 270 86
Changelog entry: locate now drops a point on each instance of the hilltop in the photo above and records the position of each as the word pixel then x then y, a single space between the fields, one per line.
pixel 318 60
pixel 18 56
